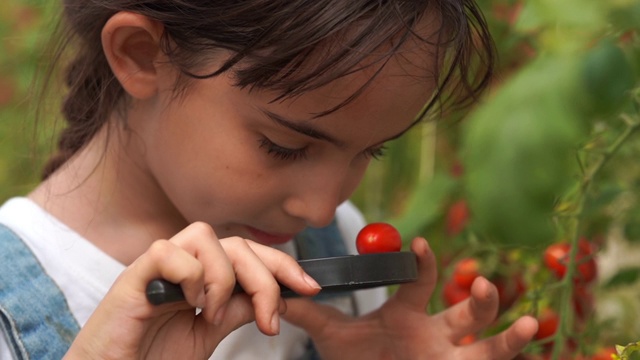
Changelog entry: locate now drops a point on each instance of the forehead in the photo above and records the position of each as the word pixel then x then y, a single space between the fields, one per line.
pixel 408 63
pixel 359 47
pixel 404 80
pixel 383 100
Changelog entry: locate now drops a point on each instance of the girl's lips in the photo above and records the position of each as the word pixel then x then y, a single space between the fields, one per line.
pixel 266 238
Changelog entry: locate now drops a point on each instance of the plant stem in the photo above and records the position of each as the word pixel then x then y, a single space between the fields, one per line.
pixel 565 311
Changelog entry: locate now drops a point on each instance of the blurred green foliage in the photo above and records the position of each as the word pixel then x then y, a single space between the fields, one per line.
pixel 23 32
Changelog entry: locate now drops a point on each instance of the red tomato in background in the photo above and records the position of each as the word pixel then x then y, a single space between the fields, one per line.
pixel 468 339
pixel 583 301
pixel 605 353
pixel 547 324
pixel 556 257
pixel 457 169
pixel 457 218
pixel 453 294
pixel 509 289
pixel 465 271
pixel 378 238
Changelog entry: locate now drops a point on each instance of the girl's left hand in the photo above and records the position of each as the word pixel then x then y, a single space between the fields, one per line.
pixel 401 328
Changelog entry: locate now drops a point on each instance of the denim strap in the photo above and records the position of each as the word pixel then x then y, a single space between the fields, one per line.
pixel 34 313
pixel 323 242
pixel 314 243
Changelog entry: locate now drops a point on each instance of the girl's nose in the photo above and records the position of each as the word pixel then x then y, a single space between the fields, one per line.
pixel 316 197
pixel 316 206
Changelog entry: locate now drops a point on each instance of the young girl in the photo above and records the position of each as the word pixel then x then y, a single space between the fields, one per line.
pixel 202 137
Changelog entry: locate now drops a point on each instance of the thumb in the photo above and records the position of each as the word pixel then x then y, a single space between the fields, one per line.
pixel 311 316
pixel 417 294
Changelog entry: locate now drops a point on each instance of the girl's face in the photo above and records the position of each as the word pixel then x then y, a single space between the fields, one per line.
pixel 265 170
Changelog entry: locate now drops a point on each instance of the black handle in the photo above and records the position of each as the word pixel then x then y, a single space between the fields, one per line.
pixel 162 292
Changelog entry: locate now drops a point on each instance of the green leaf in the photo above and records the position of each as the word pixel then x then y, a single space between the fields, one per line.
pixel 424 206
pixel 629 351
pixel 607 77
pixel 519 152
pixel 625 276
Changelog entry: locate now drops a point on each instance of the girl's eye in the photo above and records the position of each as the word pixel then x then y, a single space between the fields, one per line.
pixel 281 152
pixel 376 153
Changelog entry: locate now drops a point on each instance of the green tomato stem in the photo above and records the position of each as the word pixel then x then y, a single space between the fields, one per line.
pixel 565 311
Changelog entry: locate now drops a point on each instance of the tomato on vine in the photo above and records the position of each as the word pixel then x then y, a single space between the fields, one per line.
pixel 509 289
pixel 605 353
pixel 583 301
pixel 467 340
pixel 548 322
pixel 556 257
pixel 465 272
pixel 378 238
pixel 457 218
pixel 453 294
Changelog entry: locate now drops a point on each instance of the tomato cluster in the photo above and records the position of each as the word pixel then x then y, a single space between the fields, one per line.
pixel 458 287
pixel 465 271
pixel 556 257
pixel 548 322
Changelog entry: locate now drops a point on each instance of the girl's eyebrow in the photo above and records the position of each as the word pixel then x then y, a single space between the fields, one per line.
pixel 311 131
pixel 304 129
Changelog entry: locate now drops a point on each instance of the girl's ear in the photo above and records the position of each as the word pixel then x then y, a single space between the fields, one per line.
pixel 131 43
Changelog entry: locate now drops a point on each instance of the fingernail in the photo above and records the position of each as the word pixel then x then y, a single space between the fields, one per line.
pixel 217 319
pixel 275 323
pixel 310 281
pixel 201 301
pixel 426 244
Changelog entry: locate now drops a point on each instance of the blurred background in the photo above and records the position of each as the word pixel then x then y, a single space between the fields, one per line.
pixel 536 187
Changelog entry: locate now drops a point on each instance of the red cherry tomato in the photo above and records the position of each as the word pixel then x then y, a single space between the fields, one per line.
pixel 557 255
pixel 378 238
pixel 467 340
pixel 465 271
pixel 453 294
pixel 457 218
pixel 605 353
pixel 509 289
pixel 587 268
pixel 547 324
pixel 583 301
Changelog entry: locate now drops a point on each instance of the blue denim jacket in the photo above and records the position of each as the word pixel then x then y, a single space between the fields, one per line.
pixel 34 314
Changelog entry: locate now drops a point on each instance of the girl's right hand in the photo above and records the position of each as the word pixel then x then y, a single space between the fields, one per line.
pixel 126 326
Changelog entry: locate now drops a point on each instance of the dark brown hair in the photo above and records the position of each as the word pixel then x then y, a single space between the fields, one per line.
pixel 274 41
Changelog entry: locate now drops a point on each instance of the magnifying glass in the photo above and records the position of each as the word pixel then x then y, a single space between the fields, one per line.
pixel 333 274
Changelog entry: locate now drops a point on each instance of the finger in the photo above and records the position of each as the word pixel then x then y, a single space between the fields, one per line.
pixel 416 295
pixel 239 311
pixel 474 313
pixel 256 270
pixel 257 281
pixel 505 345
pixel 200 241
pixel 168 261
pixel 311 316
pixel 286 269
